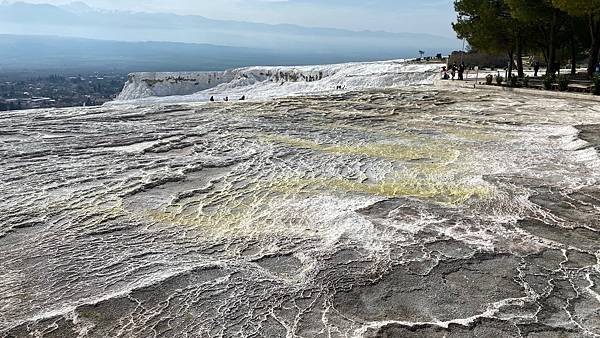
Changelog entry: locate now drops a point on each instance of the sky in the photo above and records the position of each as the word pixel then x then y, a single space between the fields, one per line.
pixel 415 16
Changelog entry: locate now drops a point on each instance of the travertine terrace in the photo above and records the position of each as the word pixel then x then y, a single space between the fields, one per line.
pixel 415 212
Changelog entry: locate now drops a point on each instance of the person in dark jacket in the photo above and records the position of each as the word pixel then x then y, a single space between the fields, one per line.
pixel 212 99
pixel 536 68
pixel 461 71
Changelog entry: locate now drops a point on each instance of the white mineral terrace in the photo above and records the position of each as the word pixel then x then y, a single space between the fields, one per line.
pixel 400 212
pixel 259 83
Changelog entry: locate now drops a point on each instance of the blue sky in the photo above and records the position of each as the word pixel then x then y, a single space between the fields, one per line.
pixel 427 16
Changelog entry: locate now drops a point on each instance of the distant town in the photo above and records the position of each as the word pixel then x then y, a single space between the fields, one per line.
pixel 18 91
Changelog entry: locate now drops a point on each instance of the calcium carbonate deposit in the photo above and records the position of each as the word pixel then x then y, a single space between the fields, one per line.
pixel 400 212
pixel 258 83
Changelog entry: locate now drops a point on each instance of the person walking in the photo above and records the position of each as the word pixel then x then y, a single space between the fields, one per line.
pixel 445 73
pixel 453 71
pixel 461 72
pixel 536 68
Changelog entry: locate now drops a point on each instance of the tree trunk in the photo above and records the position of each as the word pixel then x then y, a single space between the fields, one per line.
pixel 520 71
pixel 511 57
pixel 593 58
pixel 545 55
pixel 573 56
pixel 595 48
pixel 552 45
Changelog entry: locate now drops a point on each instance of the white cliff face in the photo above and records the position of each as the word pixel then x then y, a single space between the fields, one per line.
pixel 141 85
pixel 270 82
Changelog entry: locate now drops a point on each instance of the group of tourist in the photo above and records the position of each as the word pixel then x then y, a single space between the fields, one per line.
pixel 454 70
pixel 451 73
pixel 226 99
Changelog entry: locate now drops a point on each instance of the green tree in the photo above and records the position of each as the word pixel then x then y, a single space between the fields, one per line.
pixel 576 34
pixel 546 24
pixel 488 26
pixel 590 10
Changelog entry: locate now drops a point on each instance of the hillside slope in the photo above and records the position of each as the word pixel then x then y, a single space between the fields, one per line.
pixel 268 82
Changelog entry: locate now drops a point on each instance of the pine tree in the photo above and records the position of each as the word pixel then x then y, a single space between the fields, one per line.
pixel 590 10
pixel 488 26
pixel 545 24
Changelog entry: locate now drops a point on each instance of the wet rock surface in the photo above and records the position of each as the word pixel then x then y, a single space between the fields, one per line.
pixel 439 294
pixel 397 213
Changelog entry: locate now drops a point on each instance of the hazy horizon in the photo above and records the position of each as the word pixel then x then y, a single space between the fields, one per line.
pixel 395 16
pixel 280 44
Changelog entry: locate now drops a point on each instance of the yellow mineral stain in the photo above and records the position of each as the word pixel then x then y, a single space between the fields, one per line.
pixel 394 152
pixel 231 212
pixel 473 135
pixel 442 192
pixel 268 206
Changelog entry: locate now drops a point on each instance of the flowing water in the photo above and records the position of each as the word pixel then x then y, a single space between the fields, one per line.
pixel 386 213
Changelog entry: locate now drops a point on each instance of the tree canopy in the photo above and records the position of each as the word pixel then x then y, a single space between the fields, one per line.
pixel 578 7
pixel 540 27
pixel 485 24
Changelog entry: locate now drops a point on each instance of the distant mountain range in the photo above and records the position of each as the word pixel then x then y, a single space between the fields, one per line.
pixel 196 42
pixel 38 53
pixel 80 20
